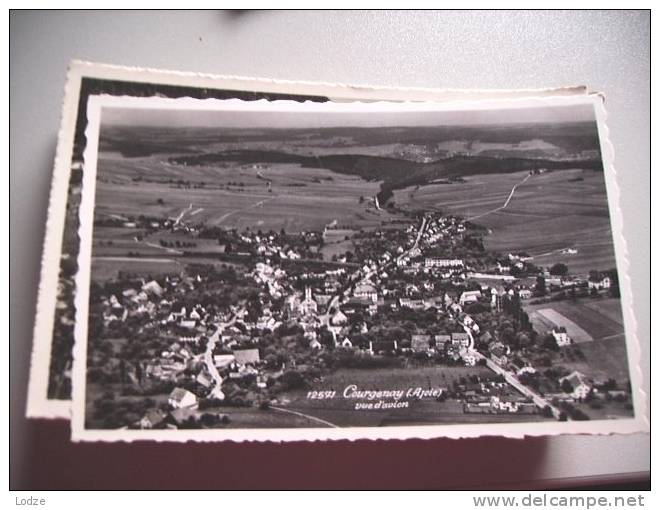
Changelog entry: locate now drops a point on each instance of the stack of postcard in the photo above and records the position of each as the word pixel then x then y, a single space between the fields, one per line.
pixel 243 259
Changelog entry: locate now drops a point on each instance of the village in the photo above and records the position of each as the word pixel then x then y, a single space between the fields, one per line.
pixel 274 317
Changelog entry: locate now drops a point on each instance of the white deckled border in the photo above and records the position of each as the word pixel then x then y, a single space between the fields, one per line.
pixel 639 423
pixel 38 404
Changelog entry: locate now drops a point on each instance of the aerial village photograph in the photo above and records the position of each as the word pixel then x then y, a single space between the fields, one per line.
pixel 264 268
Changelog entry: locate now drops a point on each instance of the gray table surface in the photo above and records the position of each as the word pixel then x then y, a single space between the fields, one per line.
pixel 607 51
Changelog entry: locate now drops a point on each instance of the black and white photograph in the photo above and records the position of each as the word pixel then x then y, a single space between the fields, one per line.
pixel 256 269
pixel 53 337
pixel 50 383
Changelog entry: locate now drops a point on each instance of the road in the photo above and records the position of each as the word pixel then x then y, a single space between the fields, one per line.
pixel 510 377
pixel 168 250
pixel 134 259
pixel 506 203
pixel 302 415
pixel 422 227
pixel 334 301
pixel 178 219
pixel 513 381
pixel 251 206
pixel 216 392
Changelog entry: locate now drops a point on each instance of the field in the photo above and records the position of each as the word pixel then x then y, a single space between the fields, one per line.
pixel 118 241
pixel 234 196
pixel 604 359
pixel 335 243
pixel 601 318
pixel 107 268
pixel 341 411
pixel 606 355
pixel 545 319
pixel 546 214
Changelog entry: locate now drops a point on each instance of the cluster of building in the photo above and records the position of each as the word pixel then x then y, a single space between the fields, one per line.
pixel 208 345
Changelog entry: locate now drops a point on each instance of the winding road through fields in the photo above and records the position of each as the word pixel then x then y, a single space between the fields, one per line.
pixel 252 206
pixel 506 203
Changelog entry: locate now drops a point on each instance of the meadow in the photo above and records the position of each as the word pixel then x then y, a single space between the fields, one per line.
pixel 108 268
pixel 545 319
pixel 546 214
pixel 599 317
pixel 606 355
pixel 234 196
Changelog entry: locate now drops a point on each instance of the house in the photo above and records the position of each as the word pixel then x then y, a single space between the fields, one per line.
pixel 151 419
pixel 366 290
pixel 293 303
pixel 437 262
pixel 469 358
pixel 553 281
pixel 267 323
pixel 600 282
pixel 456 308
pixel 467 320
pixel 114 302
pixel 526 370
pixel 345 343
pixel 204 379
pixel 308 305
pixel 525 294
pixel 420 343
pixel 560 336
pixel 223 360
pixel 180 398
pixel 153 287
pixel 188 324
pixel 413 304
pixel 246 356
pixel 460 339
pixel 129 293
pixel 470 296
pixel 504 403
pixel 338 318
pixel 182 415
pixel 322 299
pixel 355 304
pixel 315 344
pixel 578 381
pixel 498 353
pixel 454 352
pixel 441 341
pixel 485 337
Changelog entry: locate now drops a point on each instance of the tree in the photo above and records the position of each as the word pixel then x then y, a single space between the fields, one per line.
pixel 138 372
pixel 566 386
pixel 523 339
pixel 614 283
pixel 540 286
pixel 559 269
pixel 292 380
pixel 160 201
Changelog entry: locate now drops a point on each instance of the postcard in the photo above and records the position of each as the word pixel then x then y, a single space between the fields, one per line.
pixel 281 270
pixel 49 393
